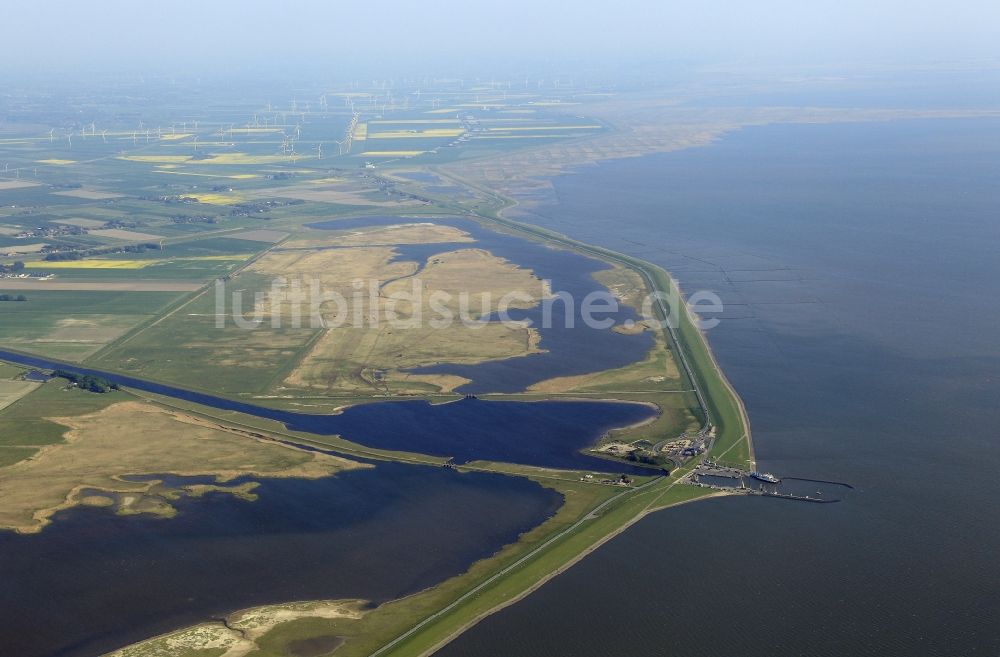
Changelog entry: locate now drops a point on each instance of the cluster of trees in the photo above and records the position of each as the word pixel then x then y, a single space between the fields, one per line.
pixel 79 255
pixel 11 268
pixel 63 255
pixel 259 207
pixel 645 457
pixel 86 381
pixel 13 297
pixel 118 223
pixel 187 219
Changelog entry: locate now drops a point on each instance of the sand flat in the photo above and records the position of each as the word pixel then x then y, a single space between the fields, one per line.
pixel 16 184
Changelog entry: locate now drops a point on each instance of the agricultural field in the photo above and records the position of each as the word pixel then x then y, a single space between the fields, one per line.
pixel 12 391
pixel 302 347
pixel 74 324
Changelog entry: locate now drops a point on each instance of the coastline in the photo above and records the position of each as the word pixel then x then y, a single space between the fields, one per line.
pixel 558 571
pixel 687 337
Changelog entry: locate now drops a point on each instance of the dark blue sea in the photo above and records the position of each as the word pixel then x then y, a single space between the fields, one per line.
pixel 859 265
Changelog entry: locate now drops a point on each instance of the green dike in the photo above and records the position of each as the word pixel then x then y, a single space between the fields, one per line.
pixel 435 615
pixel 563 550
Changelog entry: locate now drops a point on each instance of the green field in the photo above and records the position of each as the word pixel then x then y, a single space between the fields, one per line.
pixel 74 324
pixel 187 348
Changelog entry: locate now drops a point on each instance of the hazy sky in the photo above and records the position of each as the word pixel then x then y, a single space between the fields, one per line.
pixel 136 32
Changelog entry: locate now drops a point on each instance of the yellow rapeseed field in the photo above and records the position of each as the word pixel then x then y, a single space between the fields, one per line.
pixel 408 134
pixel 560 135
pixel 546 127
pixel 413 121
pixel 155 159
pixel 235 176
pixel 247 158
pixel 215 158
pixel 217 199
pixel 391 153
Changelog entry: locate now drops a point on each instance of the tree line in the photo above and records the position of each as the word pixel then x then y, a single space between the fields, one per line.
pixel 86 381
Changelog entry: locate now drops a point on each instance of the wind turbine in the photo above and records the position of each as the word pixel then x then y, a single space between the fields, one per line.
pixel 104 136
pixel 50 134
pixel 319 151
